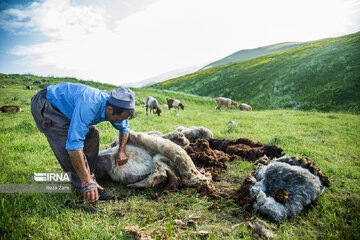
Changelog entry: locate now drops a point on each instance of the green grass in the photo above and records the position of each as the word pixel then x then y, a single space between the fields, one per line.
pixel 330 139
pixel 322 75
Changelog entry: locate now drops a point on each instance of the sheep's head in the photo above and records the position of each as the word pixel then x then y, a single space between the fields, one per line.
pixel 182 106
pixel 234 103
pixel 158 111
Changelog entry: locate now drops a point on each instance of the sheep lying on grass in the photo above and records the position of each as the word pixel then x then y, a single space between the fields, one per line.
pixel 170 163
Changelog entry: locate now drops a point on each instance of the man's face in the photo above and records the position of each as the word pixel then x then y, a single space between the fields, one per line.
pixel 115 118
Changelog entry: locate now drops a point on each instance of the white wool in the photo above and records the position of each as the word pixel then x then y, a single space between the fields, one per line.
pixel 137 168
pixel 193 133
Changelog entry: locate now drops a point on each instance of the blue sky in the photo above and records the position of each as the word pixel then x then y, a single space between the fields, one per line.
pixel 122 41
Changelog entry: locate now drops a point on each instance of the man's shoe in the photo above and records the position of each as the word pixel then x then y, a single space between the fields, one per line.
pixel 105 195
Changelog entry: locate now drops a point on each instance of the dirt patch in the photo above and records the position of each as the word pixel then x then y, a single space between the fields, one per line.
pixel 245 148
pixel 281 195
pixel 203 156
pixel 242 194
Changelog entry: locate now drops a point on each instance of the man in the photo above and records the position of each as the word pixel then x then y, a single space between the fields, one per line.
pixel 66 113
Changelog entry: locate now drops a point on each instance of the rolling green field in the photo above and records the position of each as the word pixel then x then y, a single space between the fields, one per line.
pixel 322 75
pixel 330 139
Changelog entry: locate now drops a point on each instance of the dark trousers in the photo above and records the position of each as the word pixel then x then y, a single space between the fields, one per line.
pixel 55 126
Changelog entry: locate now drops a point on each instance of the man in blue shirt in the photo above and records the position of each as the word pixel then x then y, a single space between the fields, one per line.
pixel 66 113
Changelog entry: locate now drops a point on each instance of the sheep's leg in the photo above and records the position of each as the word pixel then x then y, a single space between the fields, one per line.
pixel 146 110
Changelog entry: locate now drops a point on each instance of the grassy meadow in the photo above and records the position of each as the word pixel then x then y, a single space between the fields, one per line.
pixel 331 140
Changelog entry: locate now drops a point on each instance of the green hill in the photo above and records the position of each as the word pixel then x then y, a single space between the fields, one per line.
pixel 323 75
pixel 253 53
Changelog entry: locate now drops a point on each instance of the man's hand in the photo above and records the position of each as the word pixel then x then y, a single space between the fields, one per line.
pixel 92 194
pixel 121 158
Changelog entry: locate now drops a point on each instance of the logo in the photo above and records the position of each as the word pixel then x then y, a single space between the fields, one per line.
pixel 52 177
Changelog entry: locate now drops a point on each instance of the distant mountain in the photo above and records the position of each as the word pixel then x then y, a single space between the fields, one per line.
pixel 253 53
pixel 322 75
pixel 164 77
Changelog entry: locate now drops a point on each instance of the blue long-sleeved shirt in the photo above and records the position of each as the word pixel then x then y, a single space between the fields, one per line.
pixel 84 106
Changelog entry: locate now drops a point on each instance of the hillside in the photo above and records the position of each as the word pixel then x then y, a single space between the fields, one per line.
pixel 323 75
pixel 253 53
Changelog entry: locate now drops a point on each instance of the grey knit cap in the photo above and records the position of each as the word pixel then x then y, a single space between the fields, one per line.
pixel 123 98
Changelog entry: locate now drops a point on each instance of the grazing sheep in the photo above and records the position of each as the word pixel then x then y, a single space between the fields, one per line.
pixel 45 80
pixel 245 107
pixel 11 108
pixel 283 190
pixel 36 82
pixel 152 103
pixel 174 103
pixel 227 102
pixel 28 87
pixel 3 86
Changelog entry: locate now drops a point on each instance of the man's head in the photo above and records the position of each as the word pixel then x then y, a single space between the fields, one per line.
pixel 120 105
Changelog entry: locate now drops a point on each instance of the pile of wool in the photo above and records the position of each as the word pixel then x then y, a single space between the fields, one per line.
pixel 283 187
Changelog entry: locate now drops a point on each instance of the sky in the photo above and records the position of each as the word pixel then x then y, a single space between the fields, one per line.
pixel 127 41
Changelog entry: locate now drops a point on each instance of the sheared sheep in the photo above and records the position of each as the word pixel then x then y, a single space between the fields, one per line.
pixel 174 103
pixel 170 163
pixel 152 103
pixel 227 102
pixel 246 107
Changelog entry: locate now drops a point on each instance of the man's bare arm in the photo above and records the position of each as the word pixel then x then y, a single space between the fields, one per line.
pixel 78 162
pixel 121 157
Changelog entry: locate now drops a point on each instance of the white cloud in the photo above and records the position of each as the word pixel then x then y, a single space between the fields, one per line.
pixel 153 37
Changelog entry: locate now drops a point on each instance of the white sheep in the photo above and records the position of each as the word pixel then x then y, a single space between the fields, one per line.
pixel 152 103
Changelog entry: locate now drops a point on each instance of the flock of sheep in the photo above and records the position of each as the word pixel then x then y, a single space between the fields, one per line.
pixel 153 104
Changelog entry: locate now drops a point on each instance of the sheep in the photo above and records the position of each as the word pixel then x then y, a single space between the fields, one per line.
pixel 36 82
pixel 174 103
pixel 193 133
pixel 28 87
pixel 45 80
pixel 226 102
pixel 153 159
pixel 152 103
pixel 11 108
pixel 244 106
